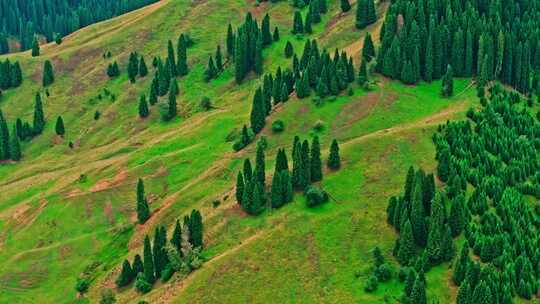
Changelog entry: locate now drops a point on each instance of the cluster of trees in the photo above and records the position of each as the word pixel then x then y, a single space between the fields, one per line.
pixel 10 75
pixel 163 257
pixel 490 39
pixel 251 188
pixel 54 19
pixel 365 13
pixel 215 65
pixel 135 67
pixel 113 70
pixel 313 16
pixel 10 142
pixel 382 272
pixel 246 44
pixel 496 153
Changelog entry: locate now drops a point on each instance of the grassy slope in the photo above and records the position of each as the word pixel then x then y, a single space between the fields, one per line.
pixel 53 226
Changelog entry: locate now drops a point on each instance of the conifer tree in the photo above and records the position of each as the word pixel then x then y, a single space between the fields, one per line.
pixel 457 219
pixel 305 166
pixel 211 70
pixel 181 64
pixel 59 128
pixel 418 215
pixel 462 264
pixel 239 188
pixel 126 275
pixel 143 211
pixel 230 41
pixel 143 70
pixel 448 83
pixel 39 117
pixel 334 160
pixel 345 6
pixel 143 107
pixel 482 294
pixel 48 74
pixel 176 238
pixel 260 170
pixel 275 35
pixel 15 148
pixel 368 50
pixel 297 165
pixel 154 91
pixel 281 161
pixel 289 51
pixel 133 67
pixel 35 47
pixel 4 138
pixel 362 73
pixel 148 261
pixel 315 11
pixel 298 26
pixel 308 29
pixel 248 171
pixel 464 294
pixel 315 161
pixel 265 31
pixel 219 59
pixel 418 294
pixel 258 112
pixel 172 107
pixel 137 265
pixel 171 59
pixel 406 249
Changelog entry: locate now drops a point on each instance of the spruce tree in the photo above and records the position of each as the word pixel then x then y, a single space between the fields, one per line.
pixel 345 6
pixel 39 117
pixel 133 67
pixel 276 191
pixel 176 238
pixel 462 264
pixel 418 294
pixel 448 83
pixel 143 107
pixel 289 51
pixel 211 70
pixel 368 50
pixel 143 70
pixel 59 128
pixel 137 265
pixel 15 148
pixel 334 160
pixel 406 244
pixel 143 211
pixel 297 166
pixel 265 31
pixel 148 261
pixel 362 73
pixel 239 188
pixel 305 167
pixel 171 59
pixel 260 170
pixel 219 59
pixel 308 29
pixel 48 74
pixel 258 112
pixel 418 215
pixel 464 293
pixel 4 138
pixel 172 107
pixel 230 41
pixel 315 161
pixel 275 35
pixel 126 275
pixel 35 47
pixel 181 64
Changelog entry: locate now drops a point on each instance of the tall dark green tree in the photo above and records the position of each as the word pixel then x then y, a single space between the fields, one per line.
pixel 48 74
pixel 143 211
pixel 148 261
pixel 258 112
pixel 143 69
pixel 448 83
pixel 15 147
pixel 39 116
pixel 345 6
pixel 334 160
pixel 143 107
pixel 181 64
pixel 35 47
pixel 315 160
pixel 4 138
pixel 59 128
pixel 126 275
pixel 368 50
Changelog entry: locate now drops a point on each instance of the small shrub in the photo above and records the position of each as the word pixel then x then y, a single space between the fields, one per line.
pixel 216 203
pixel 319 126
pixel 263 142
pixel 317 101
pixel 167 273
pixel 141 284
pixel 350 92
pixel 82 285
pixel 383 272
pixel 97 115
pixel 315 196
pixel 205 104
pixel 83 178
pixel 371 284
pixel 278 126
pixel 107 297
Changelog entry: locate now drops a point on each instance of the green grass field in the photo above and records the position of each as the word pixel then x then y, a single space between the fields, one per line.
pixel 53 225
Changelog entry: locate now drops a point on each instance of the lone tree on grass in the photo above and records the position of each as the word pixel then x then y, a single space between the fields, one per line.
pixel 48 73
pixel 60 126
pixel 334 161
pixel 143 211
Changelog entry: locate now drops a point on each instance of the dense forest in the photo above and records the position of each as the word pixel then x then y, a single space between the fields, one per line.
pixel 493 40
pixel 24 19
pixel 491 167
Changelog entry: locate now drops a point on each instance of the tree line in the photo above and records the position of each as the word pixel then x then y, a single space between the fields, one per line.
pixel 10 75
pixel 489 163
pixel 52 19
pixel 492 40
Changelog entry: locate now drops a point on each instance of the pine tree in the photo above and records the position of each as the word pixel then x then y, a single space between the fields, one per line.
pixel 230 41
pixel 418 294
pixel 172 108
pixel 154 92
pixel 265 31
pixel 143 70
pixel 60 126
pixel 4 138
pixel 448 83
pixel 281 161
pixel 137 265
pixel 15 148
pixel 276 191
pixel 148 261
pixel 298 27
pixel 39 117
pixel 126 275
pixel 305 166
pixel 289 51
pixel 334 160
pixel 176 238
pixel 275 35
pixel 239 188
pixel 308 29
pixel 211 70
pixel 368 50
pixel 35 47
pixel 345 6
pixel 315 161
pixel 219 59
pixel 171 59
pixel 260 170
pixel 297 166
pixel 418 215
pixel 428 60
pixel 462 264
pixel 143 107
pixel 48 74
pixel 181 65
pixel 133 67
pixel 143 211
pixel 482 294
pixel 258 112
pixel 406 244
pixel 457 219
pixel 464 293
pixel 362 73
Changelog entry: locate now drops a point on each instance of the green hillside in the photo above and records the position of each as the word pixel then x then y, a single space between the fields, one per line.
pixel 68 207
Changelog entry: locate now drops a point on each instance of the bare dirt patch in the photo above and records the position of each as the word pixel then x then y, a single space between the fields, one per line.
pixel 356 110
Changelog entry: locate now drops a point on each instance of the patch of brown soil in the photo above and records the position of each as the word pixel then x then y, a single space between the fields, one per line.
pixel 356 110
pixel 108 210
pixel 100 186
